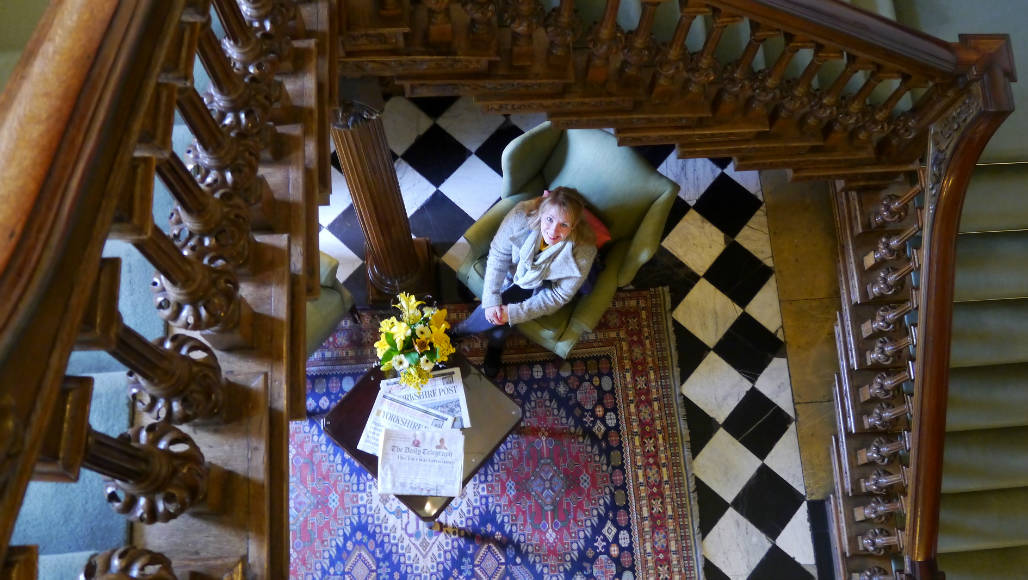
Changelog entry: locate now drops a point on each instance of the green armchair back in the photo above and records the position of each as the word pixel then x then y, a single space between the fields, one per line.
pixel 622 188
pixel 332 304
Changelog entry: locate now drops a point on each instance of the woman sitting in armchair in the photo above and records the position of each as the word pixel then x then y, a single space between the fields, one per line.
pixel 538 259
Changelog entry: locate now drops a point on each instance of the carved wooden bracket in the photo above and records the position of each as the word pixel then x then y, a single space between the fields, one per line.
pixel 128 562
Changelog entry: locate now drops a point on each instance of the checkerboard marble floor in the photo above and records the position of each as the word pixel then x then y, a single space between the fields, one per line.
pixel 716 260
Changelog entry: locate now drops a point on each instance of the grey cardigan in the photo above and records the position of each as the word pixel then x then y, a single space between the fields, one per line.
pixel 567 270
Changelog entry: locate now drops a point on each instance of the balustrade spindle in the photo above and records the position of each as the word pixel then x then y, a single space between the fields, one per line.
pixel 882 451
pixel 888 247
pixel 826 108
pixel 605 40
pixel 440 26
pixel 767 82
pixel 128 562
pixel 522 28
pixel 213 229
pixel 482 14
pixel 883 386
pixel 560 30
pixel 857 103
pixel 703 69
pixel 876 121
pixel 639 51
pixel 270 19
pixel 885 350
pixel 155 472
pixel 893 208
pixel 885 415
pixel 876 573
pixel 890 280
pixel 879 541
pixel 885 318
pixel 878 509
pixel 248 53
pixel 881 480
pixel 800 93
pixel 673 60
pixel 230 101
pixel 738 77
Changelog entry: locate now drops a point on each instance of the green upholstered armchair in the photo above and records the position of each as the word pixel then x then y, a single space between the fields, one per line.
pixel 332 304
pixel 622 188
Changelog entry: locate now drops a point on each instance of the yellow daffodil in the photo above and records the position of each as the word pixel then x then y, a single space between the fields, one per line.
pixel 387 324
pixel 381 346
pixel 400 331
pixel 422 344
pixel 409 307
pixel 438 320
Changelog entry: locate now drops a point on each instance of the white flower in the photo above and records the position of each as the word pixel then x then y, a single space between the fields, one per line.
pixel 426 364
pixel 400 363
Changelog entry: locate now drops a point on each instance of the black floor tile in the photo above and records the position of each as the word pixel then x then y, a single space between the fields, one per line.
pixel 335 162
pixel 777 565
pixel 701 426
pixel 712 572
pixel 767 501
pixel 721 162
pixel 711 507
pixel 748 347
pixel 679 208
pixel 441 221
pixel 655 154
pixel 817 511
pixel 727 205
pixel 347 228
pixel 691 351
pixel 738 274
pixel 491 150
pixel 757 423
pixel 435 154
pixel 434 106
pixel 664 269
pixel 357 284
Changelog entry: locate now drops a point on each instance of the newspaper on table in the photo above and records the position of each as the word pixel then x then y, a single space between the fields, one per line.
pixel 391 412
pixel 425 462
pixel 444 393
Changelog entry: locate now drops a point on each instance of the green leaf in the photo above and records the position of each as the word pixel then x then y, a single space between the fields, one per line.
pixel 390 340
pixel 412 357
pixel 388 355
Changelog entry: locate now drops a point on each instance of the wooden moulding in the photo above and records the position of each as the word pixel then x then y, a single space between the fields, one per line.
pixel 21 563
pixel 64 443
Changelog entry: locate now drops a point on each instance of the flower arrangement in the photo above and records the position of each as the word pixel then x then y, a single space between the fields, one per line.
pixel 415 342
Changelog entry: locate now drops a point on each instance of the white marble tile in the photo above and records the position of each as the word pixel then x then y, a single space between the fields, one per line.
pixel 715 387
pixel 695 241
pixel 795 539
pixel 748 179
pixel 526 121
pixel 694 176
pixel 755 238
pixel 338 201
pixel 454 257
pixel 774 383
pixel 403 122
pixel 784 459
pixel 415 188
pixel 474 187
pixel 468 123
pixel 725 465
pixel 706 312
pixel 765 308
pixel 735 546
pixel 348 261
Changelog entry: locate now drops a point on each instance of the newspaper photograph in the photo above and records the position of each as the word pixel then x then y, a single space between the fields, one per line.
pixel 444 393
pixel 389 411
pixel 426 462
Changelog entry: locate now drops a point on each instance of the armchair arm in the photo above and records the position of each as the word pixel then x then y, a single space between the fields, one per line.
pixel 647 238
pixel 524 157
pixel 591 307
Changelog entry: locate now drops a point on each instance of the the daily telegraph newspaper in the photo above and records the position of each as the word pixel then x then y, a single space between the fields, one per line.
pixel 391 412
pixel 444 392
pixel 425 462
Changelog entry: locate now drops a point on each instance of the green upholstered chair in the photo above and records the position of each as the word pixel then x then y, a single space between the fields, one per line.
pixel 622 188
pixel 332 304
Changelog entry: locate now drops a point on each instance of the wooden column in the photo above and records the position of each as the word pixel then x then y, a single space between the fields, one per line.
pixel 395 262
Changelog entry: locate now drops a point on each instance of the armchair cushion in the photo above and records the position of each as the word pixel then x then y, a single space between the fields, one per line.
pixel 331 305
pixel 627 194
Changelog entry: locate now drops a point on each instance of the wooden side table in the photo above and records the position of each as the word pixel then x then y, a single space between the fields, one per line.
pixel 493 416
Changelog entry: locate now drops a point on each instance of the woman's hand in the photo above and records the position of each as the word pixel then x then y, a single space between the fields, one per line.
pixel 496 314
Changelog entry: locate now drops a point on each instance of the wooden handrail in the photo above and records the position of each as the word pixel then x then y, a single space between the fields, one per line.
pixel 956 141
pixel 862 33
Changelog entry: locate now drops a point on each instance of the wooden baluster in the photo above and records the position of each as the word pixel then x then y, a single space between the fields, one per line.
pixel 230 101
pixel 903 141
pixel 482 14
pixel 154 472
pixel 879 509
pixel 885 350
pixel 877 122
pixel 440 26
pixel 767 83
pixel 217 161
pixel 884 415
pixel 881 480
pixel 214 230
pixel 673 59
pixel 826 108
pixel 888 247
pixel 128 562
pixel 857 106
pixel 738 81
pixel 800 94
pixel 883 386
pixel 271 19
pixel 522 29
pixel 639 51
pixel 876 573
pixel 893 208
pixel 390 10
pixel 879 541
pixel 703 68
pixel 882 451
pixel 885 318
pixel 604 41
pixel 560 29
pixel 890 280
pixel 248 54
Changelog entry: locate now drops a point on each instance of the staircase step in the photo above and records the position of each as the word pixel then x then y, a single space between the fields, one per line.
pixel 1001 564
pixel 995 199
pixel 989 333
pixel 985 459
pixel 991 265
pixel 983 520
pixel 571 100
pixel 987 397
pixel 644 115
pixel 395 64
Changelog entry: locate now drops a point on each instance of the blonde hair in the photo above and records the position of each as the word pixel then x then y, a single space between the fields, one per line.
pixel 572 204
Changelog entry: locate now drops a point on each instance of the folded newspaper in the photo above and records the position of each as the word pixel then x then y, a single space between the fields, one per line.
pixel 444 393
pixel 424 462
pixel 391 412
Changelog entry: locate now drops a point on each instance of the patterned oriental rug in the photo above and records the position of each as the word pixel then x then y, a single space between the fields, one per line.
pixel 593 484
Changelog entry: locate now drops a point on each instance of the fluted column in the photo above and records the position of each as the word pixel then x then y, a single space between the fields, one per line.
pixel 395 262
pixel 232 103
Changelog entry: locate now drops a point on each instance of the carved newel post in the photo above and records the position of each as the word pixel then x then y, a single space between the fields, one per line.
pixel 395 261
